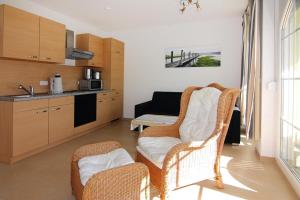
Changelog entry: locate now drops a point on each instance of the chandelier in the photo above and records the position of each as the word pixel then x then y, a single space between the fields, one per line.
pixel 185 3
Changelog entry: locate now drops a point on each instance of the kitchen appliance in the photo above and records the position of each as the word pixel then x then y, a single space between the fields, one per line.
pixel 74 53
pixel 56 86
pixel 92 84
pixel 88 73
pixel 85 109
pixel 96 75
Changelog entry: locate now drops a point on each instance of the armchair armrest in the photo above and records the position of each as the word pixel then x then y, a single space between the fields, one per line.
pixel 161 131
pixel 94 149
pixel 126 182
pixel 142 108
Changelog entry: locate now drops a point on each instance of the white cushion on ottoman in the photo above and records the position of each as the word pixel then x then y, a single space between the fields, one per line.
pixel 91 165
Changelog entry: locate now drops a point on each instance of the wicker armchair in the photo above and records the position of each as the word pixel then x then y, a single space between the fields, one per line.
pixel 188 163
pixel 129 182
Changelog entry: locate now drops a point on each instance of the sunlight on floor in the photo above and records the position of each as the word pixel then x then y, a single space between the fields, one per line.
pixel 228 179
pixel 196 192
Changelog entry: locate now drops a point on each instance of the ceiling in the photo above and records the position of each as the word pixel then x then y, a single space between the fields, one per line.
pixel 112 15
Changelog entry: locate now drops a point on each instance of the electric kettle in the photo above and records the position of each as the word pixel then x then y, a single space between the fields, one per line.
pixel 56 86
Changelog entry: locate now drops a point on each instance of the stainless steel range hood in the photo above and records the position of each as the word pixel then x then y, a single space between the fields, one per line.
pixel 73 53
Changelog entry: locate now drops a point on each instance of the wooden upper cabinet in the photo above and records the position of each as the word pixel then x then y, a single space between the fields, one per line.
pixel 19 34
pixel 113 76
pixel 52 41
pixel 88 42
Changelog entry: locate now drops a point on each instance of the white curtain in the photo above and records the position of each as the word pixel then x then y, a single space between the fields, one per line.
pixel 250 82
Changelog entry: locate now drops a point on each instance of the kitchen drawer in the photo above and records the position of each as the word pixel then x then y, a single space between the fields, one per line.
pixel 104 95
pixel 30 105
pixel 61 101
pixel 116 93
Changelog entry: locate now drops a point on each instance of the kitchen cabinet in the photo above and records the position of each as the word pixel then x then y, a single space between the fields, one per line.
pixel 113 74
pixel 30 126
pixel 104 108
pixel 19 34
pixel 89 42
pixel 52 41
pixel 117 107
pixel 61 118
pixel 109 107
pixel 27 36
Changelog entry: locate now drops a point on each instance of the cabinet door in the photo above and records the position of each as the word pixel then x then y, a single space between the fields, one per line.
pixel 21 34
pixel 117 107
pixel 104 113
pixel 96 46
pixel 117 65
pixel 61 122
pixel 52 41
pixel 88 42
pixel 30 130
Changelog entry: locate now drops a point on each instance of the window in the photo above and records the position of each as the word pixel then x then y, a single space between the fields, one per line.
pixel 290 89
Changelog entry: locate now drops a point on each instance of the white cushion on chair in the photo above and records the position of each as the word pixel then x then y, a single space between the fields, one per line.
pixel 156 148
pixel 90 165
pixel 201 117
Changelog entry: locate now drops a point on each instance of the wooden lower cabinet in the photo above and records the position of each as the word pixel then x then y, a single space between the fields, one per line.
pixel 30 130
pixel 61 122
pixel 109 107
pixel 103 111
pixel 117 107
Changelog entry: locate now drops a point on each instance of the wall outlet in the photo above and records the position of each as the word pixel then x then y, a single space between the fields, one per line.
pixel 44 83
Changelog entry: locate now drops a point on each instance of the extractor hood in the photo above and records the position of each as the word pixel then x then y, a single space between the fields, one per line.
pixel 73 53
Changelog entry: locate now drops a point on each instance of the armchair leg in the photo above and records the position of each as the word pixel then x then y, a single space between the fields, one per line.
pixel 218 178
pixel 219 182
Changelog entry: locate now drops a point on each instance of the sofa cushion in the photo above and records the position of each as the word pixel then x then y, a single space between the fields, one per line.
pixel 91 165
pixel 201 117
pixel 166 103
pixel 156 148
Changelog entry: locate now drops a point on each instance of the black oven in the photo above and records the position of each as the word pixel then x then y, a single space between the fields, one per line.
pixel 85 109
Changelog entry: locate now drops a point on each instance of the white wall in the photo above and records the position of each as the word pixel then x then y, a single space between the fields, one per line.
pixel 144 58
pixel 268 81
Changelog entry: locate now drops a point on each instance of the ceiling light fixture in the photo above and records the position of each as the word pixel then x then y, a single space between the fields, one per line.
pixel 185 3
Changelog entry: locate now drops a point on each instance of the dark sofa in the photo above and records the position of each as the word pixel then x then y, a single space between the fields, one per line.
pixel 168 103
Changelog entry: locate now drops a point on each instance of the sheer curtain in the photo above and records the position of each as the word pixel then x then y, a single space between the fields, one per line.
pixel 250 82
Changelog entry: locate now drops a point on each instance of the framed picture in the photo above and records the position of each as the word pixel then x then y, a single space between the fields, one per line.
pixel 192 57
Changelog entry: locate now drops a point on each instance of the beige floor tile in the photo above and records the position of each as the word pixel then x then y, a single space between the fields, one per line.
pixel 46 176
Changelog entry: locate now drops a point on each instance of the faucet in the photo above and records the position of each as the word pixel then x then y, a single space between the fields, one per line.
pixel 30 91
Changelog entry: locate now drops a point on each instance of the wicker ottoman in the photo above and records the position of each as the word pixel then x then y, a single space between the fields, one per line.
pixel 126 182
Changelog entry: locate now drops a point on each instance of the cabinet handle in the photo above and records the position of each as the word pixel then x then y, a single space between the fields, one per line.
pixel 113 99
pixel 55 109
pixel 48 58
pixel 104 94
pixel 44 111
pixel 100 101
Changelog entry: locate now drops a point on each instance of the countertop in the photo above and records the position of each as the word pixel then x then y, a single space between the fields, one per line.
pixel 16 98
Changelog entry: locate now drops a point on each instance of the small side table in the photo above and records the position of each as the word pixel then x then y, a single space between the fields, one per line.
pixel 152 120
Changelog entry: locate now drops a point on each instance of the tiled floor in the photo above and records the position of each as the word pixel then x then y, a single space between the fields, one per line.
pixel 47 175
